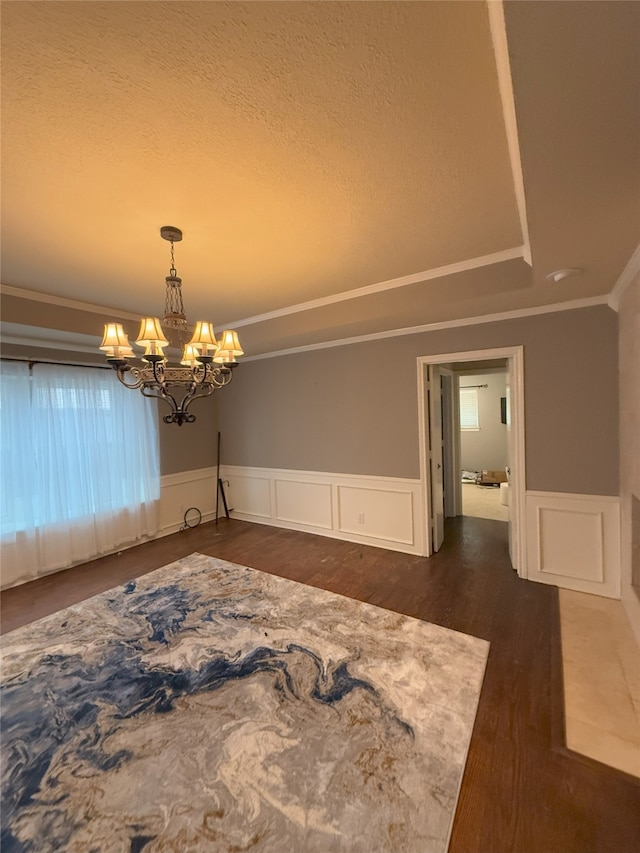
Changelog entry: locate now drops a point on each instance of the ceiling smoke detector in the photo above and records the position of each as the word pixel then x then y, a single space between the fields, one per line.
pixel 558 275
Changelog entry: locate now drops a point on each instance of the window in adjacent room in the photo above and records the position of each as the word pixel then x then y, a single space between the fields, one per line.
pixel 469 409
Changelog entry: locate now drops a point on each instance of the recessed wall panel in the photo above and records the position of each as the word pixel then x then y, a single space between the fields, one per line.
pixel 250 495
pixel 380 513
pixel 571 543
pixel 303 503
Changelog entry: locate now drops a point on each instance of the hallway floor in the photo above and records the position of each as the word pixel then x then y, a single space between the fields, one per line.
pixel 483 502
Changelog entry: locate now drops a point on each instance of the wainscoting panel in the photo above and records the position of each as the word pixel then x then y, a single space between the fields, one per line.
pixel 249 495
pixel 382 511
pixel 180 491
pixel 303 503
pixel 573 541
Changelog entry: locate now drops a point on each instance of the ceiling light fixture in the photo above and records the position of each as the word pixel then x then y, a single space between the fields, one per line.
pixel 206 364
pixel 558 275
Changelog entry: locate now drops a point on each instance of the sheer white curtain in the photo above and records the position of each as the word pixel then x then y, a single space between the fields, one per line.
pixel 80 466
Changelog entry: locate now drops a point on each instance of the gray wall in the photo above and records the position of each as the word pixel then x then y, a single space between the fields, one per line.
pixel 190 446
pixel 486 447
pixel 353 409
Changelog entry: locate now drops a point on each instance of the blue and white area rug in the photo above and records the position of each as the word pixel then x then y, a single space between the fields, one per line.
pixel 212 707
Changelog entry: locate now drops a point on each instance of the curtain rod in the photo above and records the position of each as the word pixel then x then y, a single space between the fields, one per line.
pixel 473 386
pixel 32 361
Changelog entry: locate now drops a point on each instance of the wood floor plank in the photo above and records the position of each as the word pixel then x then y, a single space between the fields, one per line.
pixel 522 791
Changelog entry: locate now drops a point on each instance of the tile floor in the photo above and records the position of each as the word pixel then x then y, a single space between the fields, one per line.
pixel 601 662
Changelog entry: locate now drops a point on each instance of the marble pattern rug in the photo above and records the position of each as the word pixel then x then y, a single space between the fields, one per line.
pixel 212 707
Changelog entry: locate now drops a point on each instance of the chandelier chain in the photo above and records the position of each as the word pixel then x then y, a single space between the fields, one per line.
pixel 172 271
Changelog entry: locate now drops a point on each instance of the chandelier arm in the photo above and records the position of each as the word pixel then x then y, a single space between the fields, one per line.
pixel 199 373
pixel 161 394
pixel 207 391
pixel 193 393
pixel 135 372
pixel 221 376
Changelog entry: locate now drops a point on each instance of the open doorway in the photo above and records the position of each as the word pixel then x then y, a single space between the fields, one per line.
pixel 443 446
pixel 484 445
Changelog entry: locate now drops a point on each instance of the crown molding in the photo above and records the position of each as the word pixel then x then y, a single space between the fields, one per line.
pixel 498 29
pixel 391 284
pixel 631 270
pixel 44 343
pixel 35 336
pixel 587 302
pixel 402 281
pixel 51 299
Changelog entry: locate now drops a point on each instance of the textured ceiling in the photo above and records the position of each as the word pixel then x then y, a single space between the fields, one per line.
pixel 312 148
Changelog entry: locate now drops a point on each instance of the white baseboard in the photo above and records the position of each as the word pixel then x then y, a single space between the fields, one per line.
pixel 379 511
pixel 573 541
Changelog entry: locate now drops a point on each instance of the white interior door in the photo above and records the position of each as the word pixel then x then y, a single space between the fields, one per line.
pixel 451 443
pixel 436 464
pixel 513 474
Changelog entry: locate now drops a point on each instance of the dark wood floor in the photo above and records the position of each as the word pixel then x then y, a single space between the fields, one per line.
pixel 522 790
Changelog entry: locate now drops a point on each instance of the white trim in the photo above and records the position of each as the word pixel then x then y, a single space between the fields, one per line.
pixel 573 497
pixel 631 270
pixel 518 468
pixel 38 336
pixel 423 456
pixel 187 476
pixel 505 84
pixel 182 490
pixel 50 344
pixel 51 299
pixel 178 526
pixel 289 511
pixel 308 476
pixel 516 314
pixel 557 571
pixel 574 541
pixel 390 284
pixel 390 538
pixel 518 479
pixel 371 510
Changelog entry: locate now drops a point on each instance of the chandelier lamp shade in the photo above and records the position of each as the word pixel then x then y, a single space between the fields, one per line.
pixel 205 366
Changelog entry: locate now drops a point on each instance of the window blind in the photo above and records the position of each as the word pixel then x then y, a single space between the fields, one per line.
pixel 469 409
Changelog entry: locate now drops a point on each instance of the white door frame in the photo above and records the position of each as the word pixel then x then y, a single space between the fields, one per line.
pixel 435 435
pixel 515 359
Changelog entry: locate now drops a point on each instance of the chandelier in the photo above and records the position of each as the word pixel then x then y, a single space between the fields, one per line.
pixel 206 364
